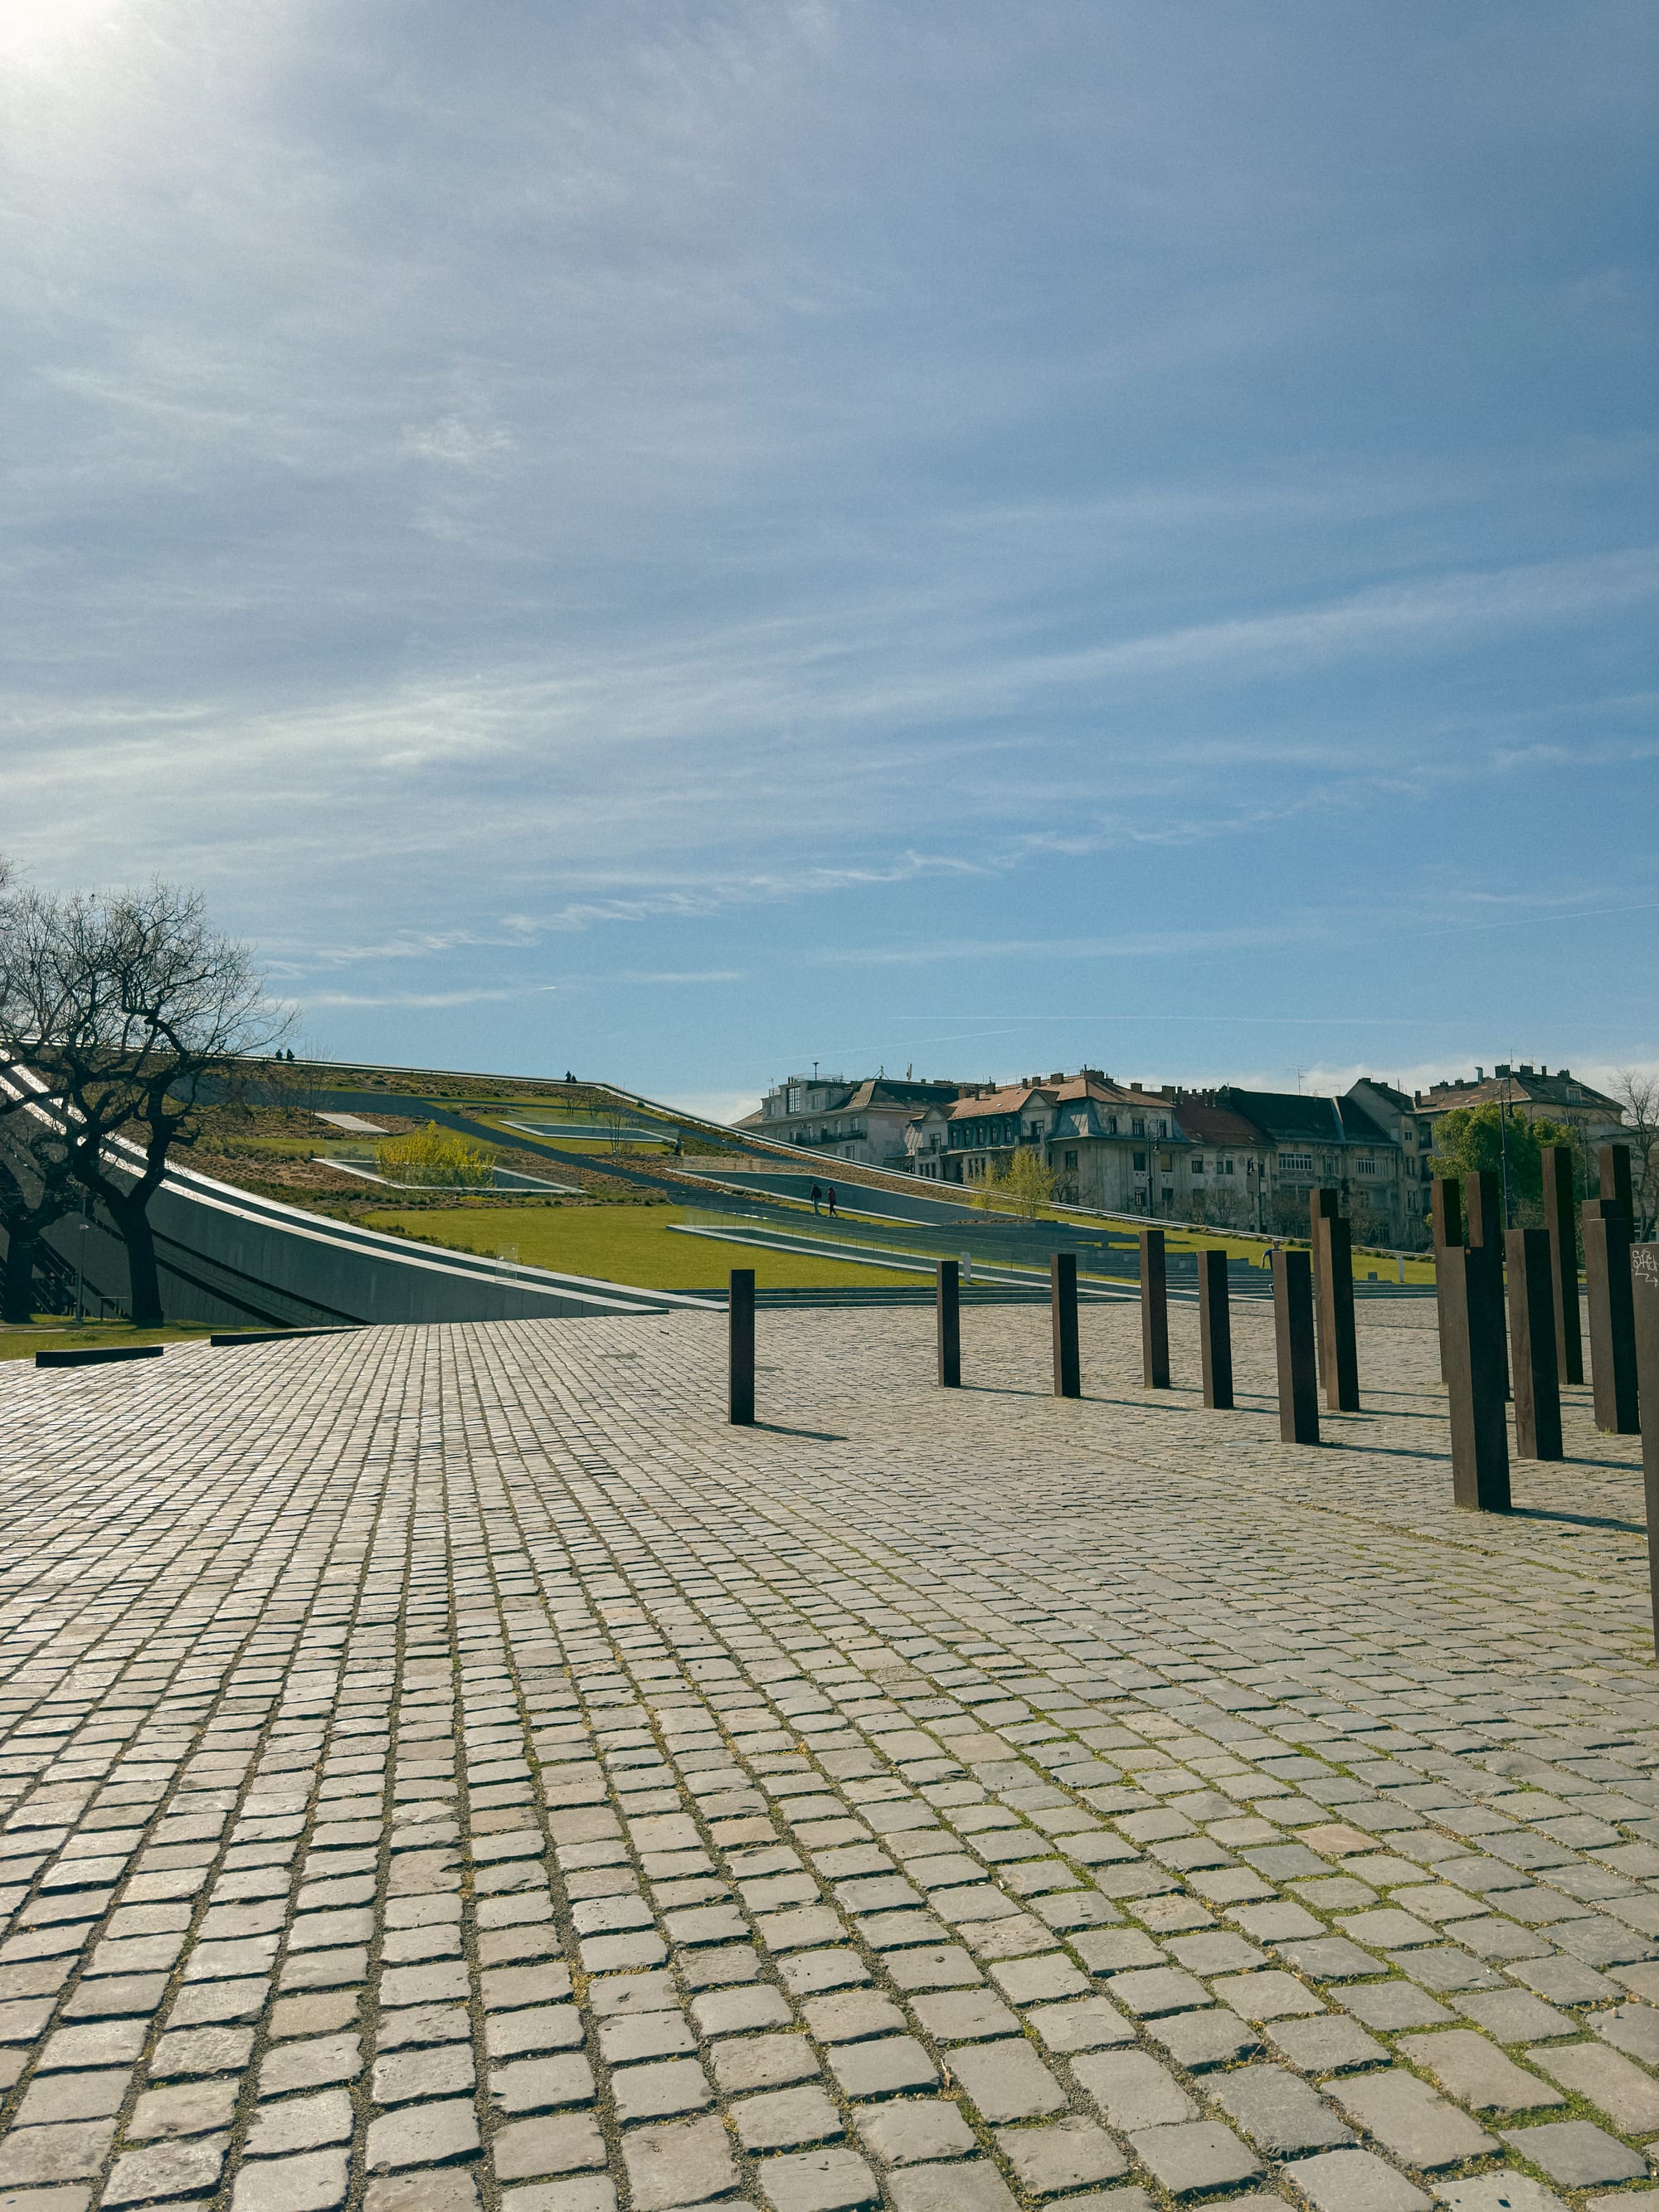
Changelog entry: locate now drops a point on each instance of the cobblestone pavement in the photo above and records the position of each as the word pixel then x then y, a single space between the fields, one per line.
pixel 448 1767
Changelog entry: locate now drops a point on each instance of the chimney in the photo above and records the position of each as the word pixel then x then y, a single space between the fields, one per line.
pixel 1135 1086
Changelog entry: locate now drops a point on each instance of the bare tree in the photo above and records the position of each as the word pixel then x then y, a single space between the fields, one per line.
pixel 1637 1090
pixel 135 999
pixel 37 1185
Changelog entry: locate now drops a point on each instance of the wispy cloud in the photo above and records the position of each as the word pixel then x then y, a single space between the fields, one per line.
pixel 768 489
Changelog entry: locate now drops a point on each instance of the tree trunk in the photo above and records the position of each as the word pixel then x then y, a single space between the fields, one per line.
pixel 144 1283
pixel 17 1284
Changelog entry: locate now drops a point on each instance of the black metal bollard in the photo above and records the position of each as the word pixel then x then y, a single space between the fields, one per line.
pixel 1613 1174
pixel 1644 1302
pixel 1154 1312
pixel 1483 1232
pixel 1333 1266
pixel 741 1338
pixel 1215 1334
pixel 1446 1216
pixel 1062 1300
pixel 948 1277
pixel 1612 1321
pixel 1532 1344
pixel 1293 1344
pixel 1561 1219
pixel 1474 1381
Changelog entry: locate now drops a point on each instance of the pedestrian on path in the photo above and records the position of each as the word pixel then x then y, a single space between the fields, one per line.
pixel 829 1199
pixel 816 1195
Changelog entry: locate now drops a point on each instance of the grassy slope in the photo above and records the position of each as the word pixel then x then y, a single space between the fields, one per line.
pixel 24 1343
pixel 628 1244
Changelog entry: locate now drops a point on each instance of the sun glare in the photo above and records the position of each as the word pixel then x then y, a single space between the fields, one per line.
pixel 38 28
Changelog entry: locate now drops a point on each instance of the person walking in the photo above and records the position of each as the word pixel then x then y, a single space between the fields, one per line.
pixel 830 1200
pixel 817 1197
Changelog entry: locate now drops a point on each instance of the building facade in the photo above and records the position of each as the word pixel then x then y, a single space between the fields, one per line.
pixel 864 1121
pixel 1534 1094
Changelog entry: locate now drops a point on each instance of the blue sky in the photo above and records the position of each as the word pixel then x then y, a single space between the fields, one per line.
pixel 684 540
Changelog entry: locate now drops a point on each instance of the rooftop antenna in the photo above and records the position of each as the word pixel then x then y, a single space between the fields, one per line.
pixel 814 1071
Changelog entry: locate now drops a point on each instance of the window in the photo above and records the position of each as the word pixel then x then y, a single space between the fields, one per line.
pixel 1224 1167
pixel 1070 1159
pixel 1111 1125
pixel 1140 1163
pixel 1137 1128
pixel 1198 1163
pixel 1367 1166
pixel 1296 1163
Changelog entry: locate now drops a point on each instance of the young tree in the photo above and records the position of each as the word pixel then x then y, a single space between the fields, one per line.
pixel 135 999
pixel 1029 1184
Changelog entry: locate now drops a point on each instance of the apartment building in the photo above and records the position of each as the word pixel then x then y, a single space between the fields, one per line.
pixel 1534 1094
pixel 864 1120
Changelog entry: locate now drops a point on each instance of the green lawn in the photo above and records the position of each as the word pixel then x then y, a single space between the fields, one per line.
pixel 628 1244
pixel 52 1334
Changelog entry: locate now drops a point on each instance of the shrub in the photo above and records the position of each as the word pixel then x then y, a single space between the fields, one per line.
pixel 436 1158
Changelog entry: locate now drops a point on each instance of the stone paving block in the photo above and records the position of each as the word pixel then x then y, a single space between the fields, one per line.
pixel 166 2169
pixel 1006 2080
pixel 1407 2119
pixel 1355 2181
pixel 315 2181
pixel 438 2191
pixel 817 2181
pixel 1393 2005
pixel 66 2152
pixel 1132 2090
pixel 1332 2045
pixel 974 2185
pixel 1083 2024
pixel 1068 2154
pixel 538 2085
pixel 422 2134
pixel 563 2143
pixel 1575 2153
pixel 1630 2027
pixel 1200 2040
pixel 1514 2015
pixel 1505 2191
pixel 678 2162
pixel 1278 2111
pixel 1266 1997
pixel 1476 2072
pixel 1203 2155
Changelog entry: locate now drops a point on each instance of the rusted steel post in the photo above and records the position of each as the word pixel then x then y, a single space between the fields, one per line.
pixel 1612 1321
pixel 1333 1266
pixel 1154 1312
pixel 1561 1219
pixel 1474 1382
pixel 1215 1336
pixel 1483 1232
pixel 1062 1302
pixel 1293 1345
pixel 1446 1217
pixel 948 1277
pixel 740 1342
pixel 1645 1301
pixel 1532 1344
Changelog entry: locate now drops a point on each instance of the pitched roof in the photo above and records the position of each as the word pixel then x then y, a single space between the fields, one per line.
pixel 1014 1099
pixel 1524 1086
pixel 1294 1117
pixel 1210 1124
